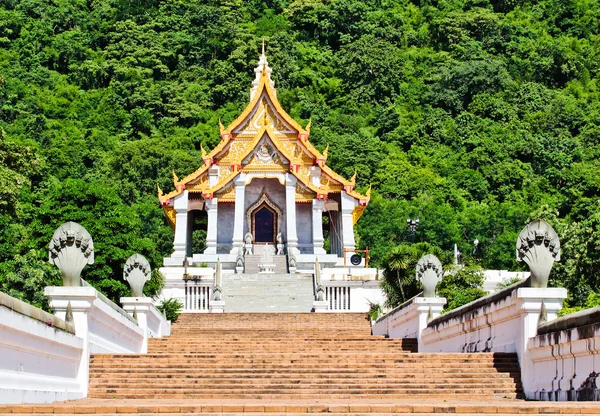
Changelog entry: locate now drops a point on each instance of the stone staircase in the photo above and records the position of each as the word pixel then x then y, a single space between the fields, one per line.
pixel 275 292
pixel 287 357
pixel 252 262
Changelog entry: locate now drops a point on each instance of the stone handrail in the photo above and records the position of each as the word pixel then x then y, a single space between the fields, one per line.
pixel 478 303
pixel 35 313
pixel 571 321
pixel 110 303
pixel 398 308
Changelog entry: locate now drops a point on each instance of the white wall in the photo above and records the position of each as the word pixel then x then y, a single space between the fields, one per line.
pixel 564 358
pixel 39 363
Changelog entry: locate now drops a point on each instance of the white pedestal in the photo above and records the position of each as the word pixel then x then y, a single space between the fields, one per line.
pixel 217 306
pixel 320 306
pixel 239 270
pixel 82 301
pixel 148 317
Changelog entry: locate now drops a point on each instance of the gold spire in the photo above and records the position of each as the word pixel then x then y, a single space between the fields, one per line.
pixel 353 178
pixel 263 45
pixel 326 151
pixel 160 192
pixel 203 151
pixel 368 194
pixel 175 178
pixel 221 126
pixel 307 128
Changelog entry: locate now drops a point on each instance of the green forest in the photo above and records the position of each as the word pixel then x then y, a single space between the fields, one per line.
pixel 476 116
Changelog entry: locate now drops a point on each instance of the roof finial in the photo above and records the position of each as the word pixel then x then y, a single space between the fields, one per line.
pixel 221 126
pixel 263 46
pixel 307 128
pixel 160 192
pixel 203 151
pixel 353 178
pixel 326 151
pixel 175 178
pixel 369 192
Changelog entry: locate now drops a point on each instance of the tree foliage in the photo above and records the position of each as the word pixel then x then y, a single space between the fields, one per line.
pixel 468 114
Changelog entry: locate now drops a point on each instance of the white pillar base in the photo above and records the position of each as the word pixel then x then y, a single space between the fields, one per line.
pixel 320 306
pixel 217 306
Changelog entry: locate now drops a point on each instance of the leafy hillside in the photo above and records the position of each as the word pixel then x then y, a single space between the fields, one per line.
pixel 473 115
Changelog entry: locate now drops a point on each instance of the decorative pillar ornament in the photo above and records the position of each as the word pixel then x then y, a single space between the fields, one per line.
pixel 217 304
pixel 239 262
pixel 320 288
pixel 539 247
pixel 71 248
pixel 136 273
pixel 248 243
pixel 429 273
pixel 279 244
pixel 217 288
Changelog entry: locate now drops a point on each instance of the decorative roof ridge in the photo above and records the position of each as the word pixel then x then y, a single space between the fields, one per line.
pixel 263 82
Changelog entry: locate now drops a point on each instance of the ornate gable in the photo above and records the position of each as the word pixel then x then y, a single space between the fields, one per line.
pixel 264 138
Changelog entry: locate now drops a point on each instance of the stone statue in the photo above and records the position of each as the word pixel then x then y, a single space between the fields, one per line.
pixel 279 239
pixel 217 287
pixel 136 273
pixel 292 260
pixel 429 273
pixel 320 288
pixel 71 248
pixel 248 243
pixel 240 258
pixel 538 246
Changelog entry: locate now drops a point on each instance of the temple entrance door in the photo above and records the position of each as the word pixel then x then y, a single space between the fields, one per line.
pixel 264 220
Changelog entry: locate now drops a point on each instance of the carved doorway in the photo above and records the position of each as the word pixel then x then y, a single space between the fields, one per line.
pixel 264 219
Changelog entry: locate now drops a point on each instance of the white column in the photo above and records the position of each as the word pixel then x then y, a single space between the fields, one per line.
pixel 211 206
pixel 82 301
pixel 317 224
pixel 348 204
pixel 290 212
pixel 240 215
pixel 529 304
pixel 180 241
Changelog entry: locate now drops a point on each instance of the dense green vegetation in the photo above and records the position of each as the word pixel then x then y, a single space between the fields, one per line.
pixel 475 115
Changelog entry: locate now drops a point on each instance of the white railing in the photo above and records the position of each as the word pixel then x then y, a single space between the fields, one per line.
pixel 338 298
pixel 197 298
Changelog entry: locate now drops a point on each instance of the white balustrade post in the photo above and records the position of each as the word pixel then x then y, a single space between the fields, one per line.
pixel 317 223
pixel 238 225
pixel 529 303
pixel 142 307
pixel 211 206
pixel 290 211
pixel 427 309
pixel 81 300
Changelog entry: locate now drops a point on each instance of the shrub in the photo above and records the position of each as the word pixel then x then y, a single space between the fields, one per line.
pixel 172 308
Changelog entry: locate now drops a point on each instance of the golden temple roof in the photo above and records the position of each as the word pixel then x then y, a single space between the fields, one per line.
pixel 263 117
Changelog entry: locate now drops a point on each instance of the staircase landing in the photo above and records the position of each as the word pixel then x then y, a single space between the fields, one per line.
pixel 276 292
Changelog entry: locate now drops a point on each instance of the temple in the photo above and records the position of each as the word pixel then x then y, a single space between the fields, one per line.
pixel 265 183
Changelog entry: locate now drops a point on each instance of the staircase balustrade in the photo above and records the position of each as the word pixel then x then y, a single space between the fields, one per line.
pixel 197 297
